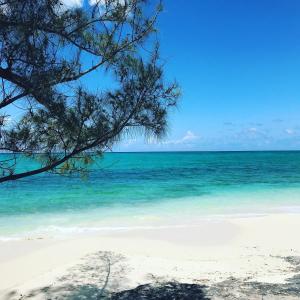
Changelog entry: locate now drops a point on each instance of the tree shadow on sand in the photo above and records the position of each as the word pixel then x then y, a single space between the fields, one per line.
pixel 238 289
pixel 102 276
pixel 94 278
pixel 164 291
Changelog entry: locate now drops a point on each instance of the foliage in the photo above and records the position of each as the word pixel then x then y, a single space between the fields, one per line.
pixel 47 50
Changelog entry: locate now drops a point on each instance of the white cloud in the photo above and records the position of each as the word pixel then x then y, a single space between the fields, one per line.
pixel 189 136
pixel 186 139
pixel 289 131
pixel 136 143
pixel 252 129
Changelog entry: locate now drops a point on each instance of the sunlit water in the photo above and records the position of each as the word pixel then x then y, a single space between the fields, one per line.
pixel 130 190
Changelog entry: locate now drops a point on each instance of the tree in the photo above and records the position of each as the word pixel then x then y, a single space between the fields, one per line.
pixel 47 49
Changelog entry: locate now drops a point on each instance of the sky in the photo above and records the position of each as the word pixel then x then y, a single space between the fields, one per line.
pixel 238 65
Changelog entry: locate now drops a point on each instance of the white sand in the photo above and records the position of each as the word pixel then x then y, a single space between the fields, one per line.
pixel 207 251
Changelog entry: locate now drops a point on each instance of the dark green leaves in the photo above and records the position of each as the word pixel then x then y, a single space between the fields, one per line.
pixel 45 51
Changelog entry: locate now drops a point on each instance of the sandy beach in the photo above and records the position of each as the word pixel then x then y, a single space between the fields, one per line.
pixel 234 258
pixel 149 150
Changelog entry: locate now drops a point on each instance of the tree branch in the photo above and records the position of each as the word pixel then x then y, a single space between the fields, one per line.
pixel 6 101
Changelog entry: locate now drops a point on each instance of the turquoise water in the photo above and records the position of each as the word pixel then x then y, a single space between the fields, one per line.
pixel 126 190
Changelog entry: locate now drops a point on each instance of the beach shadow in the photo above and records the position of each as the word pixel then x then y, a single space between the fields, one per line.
pixel 164 291
pixel 96 277
pixel 102 276
pixel 238 289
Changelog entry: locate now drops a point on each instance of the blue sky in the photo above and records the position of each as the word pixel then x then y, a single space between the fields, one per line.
pixel 238 64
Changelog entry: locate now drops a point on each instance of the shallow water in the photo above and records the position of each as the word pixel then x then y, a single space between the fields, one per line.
pixel 126 190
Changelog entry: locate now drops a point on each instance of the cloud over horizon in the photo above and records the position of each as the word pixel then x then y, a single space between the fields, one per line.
pixel 188 138
pixel 234 136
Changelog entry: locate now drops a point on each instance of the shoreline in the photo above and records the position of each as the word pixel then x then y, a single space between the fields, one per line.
pixel 251 249
pixel 183 217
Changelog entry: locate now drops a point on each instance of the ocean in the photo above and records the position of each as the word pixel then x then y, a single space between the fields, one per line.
pixel 141 190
